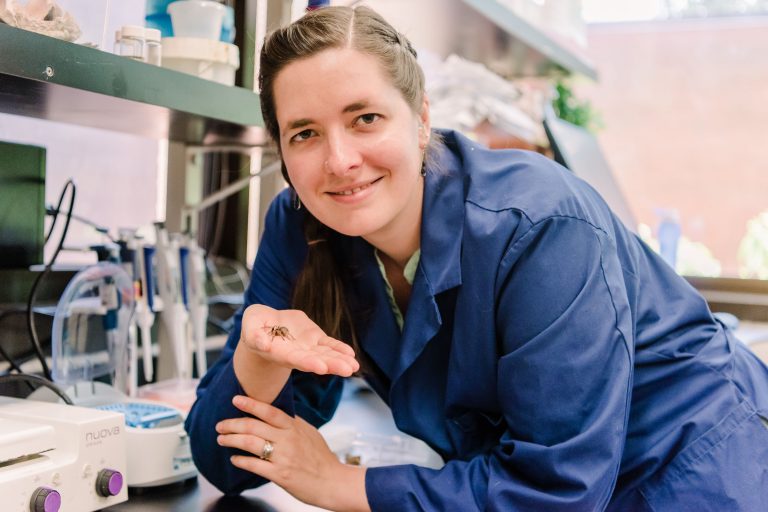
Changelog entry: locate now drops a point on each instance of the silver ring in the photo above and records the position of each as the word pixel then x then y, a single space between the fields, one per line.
pixel 266 452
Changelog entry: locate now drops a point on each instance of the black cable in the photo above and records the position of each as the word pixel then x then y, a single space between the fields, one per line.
pixel 54 212
pixel 33 292
pixel 11 360
pixel 25 377
pixel 56 215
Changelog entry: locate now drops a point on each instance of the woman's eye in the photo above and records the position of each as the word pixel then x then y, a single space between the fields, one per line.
pixel 368 118
pixel 302 135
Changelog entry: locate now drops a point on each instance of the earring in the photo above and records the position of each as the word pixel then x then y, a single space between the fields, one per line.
pixel 296 201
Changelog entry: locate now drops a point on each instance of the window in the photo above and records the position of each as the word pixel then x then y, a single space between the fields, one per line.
pixel 683 98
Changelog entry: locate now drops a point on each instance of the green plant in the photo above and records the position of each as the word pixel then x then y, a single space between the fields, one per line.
pixel 571 109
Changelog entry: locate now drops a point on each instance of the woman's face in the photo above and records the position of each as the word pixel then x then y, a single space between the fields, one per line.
pixel 351 144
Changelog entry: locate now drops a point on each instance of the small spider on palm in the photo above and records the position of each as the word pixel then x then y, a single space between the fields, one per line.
pixel 278 331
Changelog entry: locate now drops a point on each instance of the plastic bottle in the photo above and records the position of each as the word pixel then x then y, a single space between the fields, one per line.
pixel 668 232
pixel 153 48
pixel 131 42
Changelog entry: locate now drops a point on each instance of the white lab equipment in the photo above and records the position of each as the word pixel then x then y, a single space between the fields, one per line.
pixel 146 313
pixel 158 451
pixel 193 285
pixel 132 255
pixel 174 314
pixel 97 306
pixel 60 458
pixel 90 327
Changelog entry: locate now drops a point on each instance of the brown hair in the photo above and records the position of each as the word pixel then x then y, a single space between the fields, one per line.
pixel 319 290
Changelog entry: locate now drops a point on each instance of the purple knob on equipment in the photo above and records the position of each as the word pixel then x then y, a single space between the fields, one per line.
pixel 45 499
pixel 109 482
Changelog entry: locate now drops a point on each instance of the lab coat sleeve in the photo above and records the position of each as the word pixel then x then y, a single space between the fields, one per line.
pixel 563 382
pixel 312 397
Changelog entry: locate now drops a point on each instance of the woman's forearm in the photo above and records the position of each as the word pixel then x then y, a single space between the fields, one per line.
pixel 261 379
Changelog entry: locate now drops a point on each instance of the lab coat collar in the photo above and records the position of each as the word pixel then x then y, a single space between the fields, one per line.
pixel 439 270
pixel 442 223
pixel 442 219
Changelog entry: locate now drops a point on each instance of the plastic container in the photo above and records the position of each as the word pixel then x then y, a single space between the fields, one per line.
pixel 152 46
pixel 90 327
pixel 130 42
pixel 197 18
pixel 359 449
pixel 212 60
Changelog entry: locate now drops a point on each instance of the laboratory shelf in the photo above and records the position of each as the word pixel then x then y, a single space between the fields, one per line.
pixel 534 52
pixel 50 79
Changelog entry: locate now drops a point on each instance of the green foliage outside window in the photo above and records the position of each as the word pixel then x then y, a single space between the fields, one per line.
pixel 575 111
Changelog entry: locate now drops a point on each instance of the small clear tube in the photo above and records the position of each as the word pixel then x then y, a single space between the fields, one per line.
pixel 131 42
pixel 152 47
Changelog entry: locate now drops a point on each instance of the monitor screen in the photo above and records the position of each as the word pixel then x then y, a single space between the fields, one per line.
pixel 22 205
pixel 578 150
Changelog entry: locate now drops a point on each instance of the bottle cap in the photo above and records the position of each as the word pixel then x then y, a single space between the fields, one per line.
pixel 135 31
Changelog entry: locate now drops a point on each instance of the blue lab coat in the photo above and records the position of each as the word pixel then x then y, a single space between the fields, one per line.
pixel 550 357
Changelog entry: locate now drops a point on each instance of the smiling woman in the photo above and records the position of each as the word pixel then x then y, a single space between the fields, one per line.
pixel 497 305
pixel 357 144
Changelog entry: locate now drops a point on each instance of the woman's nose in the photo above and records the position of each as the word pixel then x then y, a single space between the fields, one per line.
pixel 343 155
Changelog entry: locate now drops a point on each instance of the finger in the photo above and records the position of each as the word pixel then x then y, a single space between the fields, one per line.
pixel 338 363
pixel 312 363
pixel 255 465
pixel 247 443
pixel 268 413
pixel 248 426
pixel 342 367
pixel 338 346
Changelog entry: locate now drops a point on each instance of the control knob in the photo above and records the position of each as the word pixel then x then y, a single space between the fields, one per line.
pixel 45 499
pixel 109 482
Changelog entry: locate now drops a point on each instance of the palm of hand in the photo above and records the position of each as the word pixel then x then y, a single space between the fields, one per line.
pixel 290 338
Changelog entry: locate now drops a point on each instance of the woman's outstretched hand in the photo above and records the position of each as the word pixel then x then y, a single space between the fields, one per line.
pixel 290 339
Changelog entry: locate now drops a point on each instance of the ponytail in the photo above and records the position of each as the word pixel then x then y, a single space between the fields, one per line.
pixel 319 290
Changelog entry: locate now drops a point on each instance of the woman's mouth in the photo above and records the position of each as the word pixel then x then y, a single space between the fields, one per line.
pixel 355 189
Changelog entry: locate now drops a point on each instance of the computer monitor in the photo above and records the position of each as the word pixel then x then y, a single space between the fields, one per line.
pixel 22 205
pixel 578 150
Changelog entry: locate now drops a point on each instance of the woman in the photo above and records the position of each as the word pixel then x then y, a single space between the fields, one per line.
pixel 493 300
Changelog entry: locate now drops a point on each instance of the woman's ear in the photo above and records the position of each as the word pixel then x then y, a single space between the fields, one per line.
pixel 424 123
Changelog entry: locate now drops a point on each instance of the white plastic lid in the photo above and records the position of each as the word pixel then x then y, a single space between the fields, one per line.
pixel 152 34
pixel 201 49
pixel 133 31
